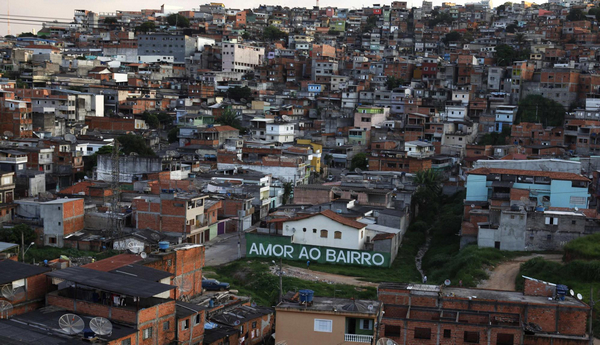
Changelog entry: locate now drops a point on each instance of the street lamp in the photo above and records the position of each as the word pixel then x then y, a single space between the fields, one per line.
pixel 31 244
pixel 592 303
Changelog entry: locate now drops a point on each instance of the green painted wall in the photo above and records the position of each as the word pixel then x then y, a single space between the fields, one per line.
pixel 265 246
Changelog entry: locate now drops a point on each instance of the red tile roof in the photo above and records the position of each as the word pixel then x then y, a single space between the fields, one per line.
pixel 114 262
pixel 551 174
pixel 329 214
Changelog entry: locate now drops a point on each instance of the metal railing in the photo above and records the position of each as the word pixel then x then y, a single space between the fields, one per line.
pixel 358 338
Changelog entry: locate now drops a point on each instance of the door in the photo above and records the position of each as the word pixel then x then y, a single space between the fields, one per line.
pixel 497 245
pixel 221 228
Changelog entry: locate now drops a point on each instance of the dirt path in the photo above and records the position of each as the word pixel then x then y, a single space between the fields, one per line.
pixel 503 276
pixel 421 253
pixel 303 273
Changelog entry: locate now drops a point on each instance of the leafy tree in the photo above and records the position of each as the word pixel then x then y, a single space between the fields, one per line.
pixel 27 34
pixel 13 235
pixel 500 9
pixel 328 159
pixel 229 118
pixel 110 20
pixel 536 108
pixel 134 143
pixel 371 23
pixel 511 28
pixel 178 20
pixel 428 194
pixel 288 189
pixel 164 118
pixel 359 161
pixel 151 120
pixel 594 12
pixel 246 35
pixel 452 36
pixel 467 37
pixel 496 138
pixel 146 27
pixel 172 135
pixel 238 93
pixel 575 14
pixel 393 82
pixel 505 55
pixel 444 18
pixel 272 33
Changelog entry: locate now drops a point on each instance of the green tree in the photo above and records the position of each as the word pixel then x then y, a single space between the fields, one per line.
pixel 428 194
pixel 13 235
pixel 496 138
pixel 238 93
pixel 229 118
pixel 110 20
pixel 511 28
pixel 246 35
pixel 328 159
pixel 452 36
pixel 393 82
pixel 575 14
pixel 288 189
pixel 443 18
pixel 505 55
pixel 539 109
pixel 151 120
pixel 371 23
pixel 134 143
pixel 172 135
pixel 146 27
pixel 500 9
pixel 594 12
pixel 164 119
pixel 359 161
pixel 272 33
pixel 178 20
pixel 27 34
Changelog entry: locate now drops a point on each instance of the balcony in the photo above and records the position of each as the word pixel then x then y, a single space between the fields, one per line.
pixel 501 196
pixel 358 338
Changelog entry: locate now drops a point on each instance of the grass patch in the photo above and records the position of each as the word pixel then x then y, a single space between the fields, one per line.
pixel 252 278
pixel 577 275
pixel 403 268
pixel 40 254
pixel 585 248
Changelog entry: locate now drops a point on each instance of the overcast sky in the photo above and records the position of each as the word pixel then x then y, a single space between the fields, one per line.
pixel 63 9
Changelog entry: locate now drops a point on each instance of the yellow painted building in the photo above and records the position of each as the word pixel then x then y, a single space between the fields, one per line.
pixel 317 153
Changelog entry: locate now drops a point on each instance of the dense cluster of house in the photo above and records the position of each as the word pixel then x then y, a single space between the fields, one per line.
pixel 301 129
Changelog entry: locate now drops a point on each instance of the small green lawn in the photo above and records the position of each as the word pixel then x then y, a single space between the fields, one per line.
pixel 252 278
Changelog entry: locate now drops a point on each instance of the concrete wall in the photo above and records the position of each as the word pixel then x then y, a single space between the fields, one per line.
pixel 510 233
pixel 537 165
pixel 351 238
pixel 129 166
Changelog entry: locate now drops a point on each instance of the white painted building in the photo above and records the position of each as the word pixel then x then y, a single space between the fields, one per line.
pixel 326 229
pixel 241 58
pixel 419 149
pixel 280 132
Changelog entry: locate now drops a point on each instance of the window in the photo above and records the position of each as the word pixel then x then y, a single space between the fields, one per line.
pixel 254 325
pixel 549 237
pixel 147 333
pixel 447 333
pixel 197 319
pixel 337 235
pixel 185 324
pixel 126 341
pixel 505 339
pixel 59 223
pixel 366 324
pixel 392 331
pixel 471 337
pixel 422 333
pixel 52 240
pixel 324 233
pixel 551 221
pixel 166 325
pixel 314 231
pixel 323 325
pixel 362 234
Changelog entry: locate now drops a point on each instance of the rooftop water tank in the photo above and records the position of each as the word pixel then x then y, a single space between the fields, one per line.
pixel 306 296
pixel 163 245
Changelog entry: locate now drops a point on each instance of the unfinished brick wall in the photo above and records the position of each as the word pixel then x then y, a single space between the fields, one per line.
pixel 538 288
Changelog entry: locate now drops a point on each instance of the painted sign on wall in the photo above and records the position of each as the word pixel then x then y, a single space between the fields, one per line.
pixel 265 246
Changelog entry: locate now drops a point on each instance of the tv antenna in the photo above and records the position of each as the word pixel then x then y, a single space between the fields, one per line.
pixel 12 293
pixel 101 326
pixel 71 324
pixel 6 309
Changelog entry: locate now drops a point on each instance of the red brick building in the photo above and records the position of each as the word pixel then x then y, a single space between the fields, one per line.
pixel 28 285
pixel 431 314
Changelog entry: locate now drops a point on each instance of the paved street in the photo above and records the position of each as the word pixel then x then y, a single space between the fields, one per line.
pixel 224 249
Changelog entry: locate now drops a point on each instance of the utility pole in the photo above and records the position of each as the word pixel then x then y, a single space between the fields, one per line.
pixel 280 280
pixel 23 246
pixel 592 303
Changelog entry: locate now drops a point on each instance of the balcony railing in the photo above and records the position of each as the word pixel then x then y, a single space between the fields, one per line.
pixel 358 338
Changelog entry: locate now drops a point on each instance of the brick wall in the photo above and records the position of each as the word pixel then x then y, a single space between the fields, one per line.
pixel 538 288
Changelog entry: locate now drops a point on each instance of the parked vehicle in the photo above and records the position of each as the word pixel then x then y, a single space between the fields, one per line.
pixel 214 285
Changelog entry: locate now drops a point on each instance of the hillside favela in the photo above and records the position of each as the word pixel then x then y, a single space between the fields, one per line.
pixel 404 173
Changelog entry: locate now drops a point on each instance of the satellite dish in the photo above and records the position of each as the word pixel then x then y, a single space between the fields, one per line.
pixel 336 190
pixel 143 255
pixel 386 341
pixel 183 285
pixel 70 138
pixel 134 247
pixel 133 154
pixel 370 307
pixel 358 171
pixel 13 293
pixel 101 326
pixel 576 209
pixel 71 324
pixel 6 309
pixel 447 282
pixel 236 323
pixel 8 134
pixel 572 292
pixel 253 304
pixel 579 296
